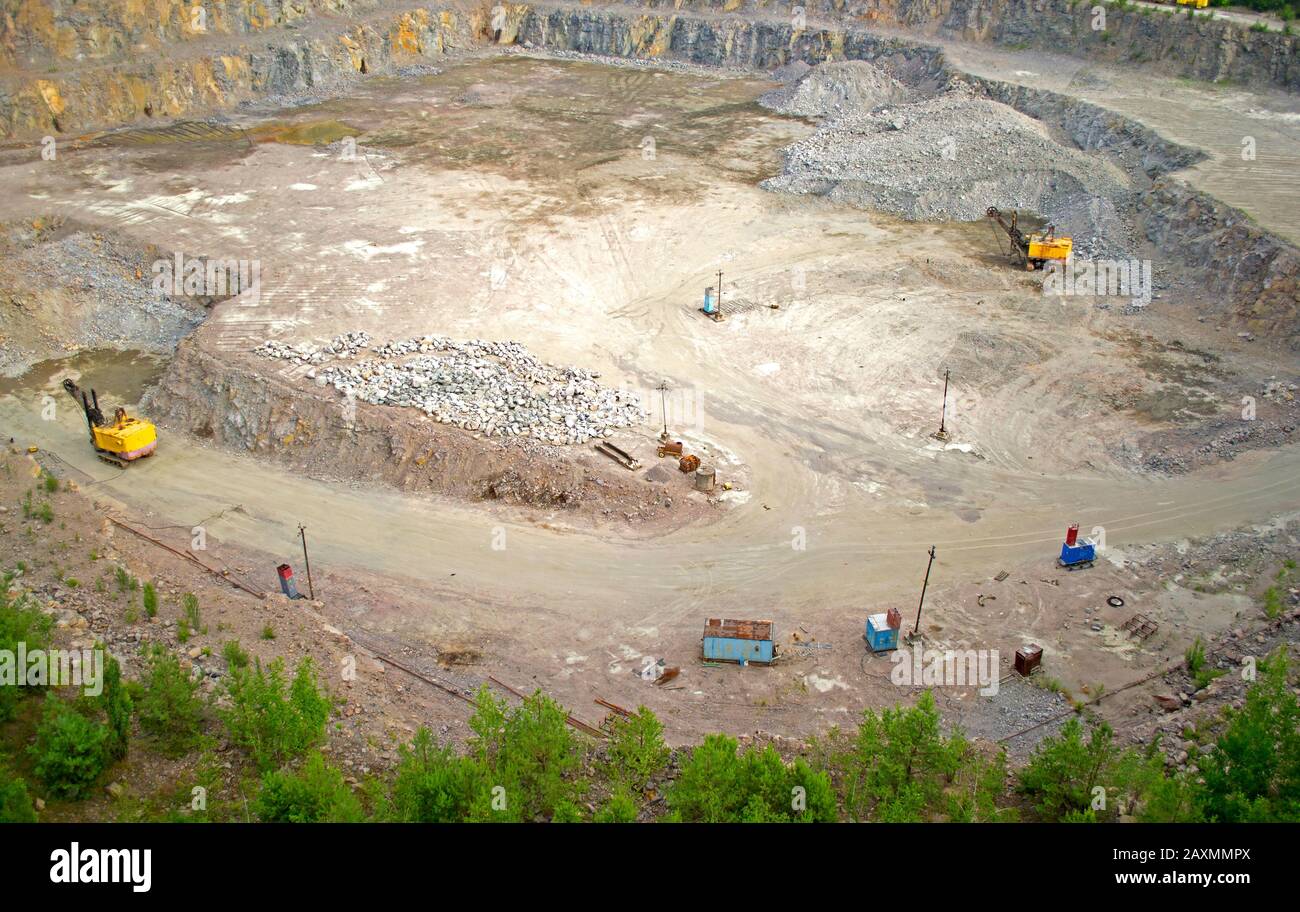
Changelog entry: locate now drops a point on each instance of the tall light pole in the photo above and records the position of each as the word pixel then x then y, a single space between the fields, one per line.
pixel 719 292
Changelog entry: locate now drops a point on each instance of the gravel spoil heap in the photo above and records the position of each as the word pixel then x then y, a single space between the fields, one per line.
pixel 833 90
pixel 949 157
pixel 495 388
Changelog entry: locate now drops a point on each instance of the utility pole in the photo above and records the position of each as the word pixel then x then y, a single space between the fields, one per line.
pixel 302 533
pixel 923 588
pixel 719 292
pixel 943 415
pixel 663 405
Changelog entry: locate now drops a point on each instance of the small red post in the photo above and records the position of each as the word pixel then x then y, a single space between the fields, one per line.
pixel 1072 535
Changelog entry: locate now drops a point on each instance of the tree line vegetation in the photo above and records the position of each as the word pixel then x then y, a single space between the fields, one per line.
pixel 524 763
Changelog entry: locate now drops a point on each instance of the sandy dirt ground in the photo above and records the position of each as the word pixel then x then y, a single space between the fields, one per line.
pixel 582 211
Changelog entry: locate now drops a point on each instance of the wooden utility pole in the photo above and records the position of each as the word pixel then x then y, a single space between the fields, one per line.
pixel 302 533
pixel 663 405
pixel 943 415
pixel 923 588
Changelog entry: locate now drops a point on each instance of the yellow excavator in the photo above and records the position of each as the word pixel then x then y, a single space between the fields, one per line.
pixel 1033 249
pixel 120 441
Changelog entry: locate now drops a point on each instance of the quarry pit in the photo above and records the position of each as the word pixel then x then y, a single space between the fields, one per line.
pixel 544 189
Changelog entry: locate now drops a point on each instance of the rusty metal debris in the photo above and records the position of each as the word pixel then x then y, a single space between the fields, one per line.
pixel 1140 626
pixel 689 463
pixel 619 455
pixel 574 722
pixel 614 706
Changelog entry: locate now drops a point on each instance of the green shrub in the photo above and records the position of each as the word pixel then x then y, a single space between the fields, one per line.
pixel 168 706
pixel 51 484
pixel 15 803
pixel 272 721
pixel 190 606
pixel 637 753
pixel 1071 778
pixel 235 656
pixel 115 702
pixel 1253 775
pixel 150 600
pixel 315 794
pixel 620 808
pixel 1197 666
pixel 900 767
pixel 1273 602
pixel 268 632
pixel 717 785
pixel 529 752
pixel 70 751
pixel 433 784
pixel 20 622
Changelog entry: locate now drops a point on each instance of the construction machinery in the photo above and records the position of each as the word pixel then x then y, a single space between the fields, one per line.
pixel 1076 552
pixel 1034 250
pixel 120 441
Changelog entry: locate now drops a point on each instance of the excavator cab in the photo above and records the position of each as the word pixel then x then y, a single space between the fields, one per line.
pixel 1034 250
pixel 1047 246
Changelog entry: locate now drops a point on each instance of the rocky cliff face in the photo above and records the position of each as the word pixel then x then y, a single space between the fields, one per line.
pixel 67 65
pixel 77 69
pixel 1200 48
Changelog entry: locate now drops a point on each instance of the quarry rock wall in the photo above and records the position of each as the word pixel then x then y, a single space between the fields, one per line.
pixel 69 66
pixel 120 72
pixel 1197 47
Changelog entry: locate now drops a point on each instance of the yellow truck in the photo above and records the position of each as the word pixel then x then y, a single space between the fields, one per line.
pixel 120 441
pixel 1199 4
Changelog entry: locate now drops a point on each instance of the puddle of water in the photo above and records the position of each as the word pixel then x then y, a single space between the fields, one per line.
pixel 308 133
pixel 118 376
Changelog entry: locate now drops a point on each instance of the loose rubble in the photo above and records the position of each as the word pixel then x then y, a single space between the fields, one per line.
pixel 495 388
pixel 834 89
pixel 950 157
pixel 347 345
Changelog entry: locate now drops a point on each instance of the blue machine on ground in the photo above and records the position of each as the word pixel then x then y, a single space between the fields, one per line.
pixel 882 630
pixel 1076 552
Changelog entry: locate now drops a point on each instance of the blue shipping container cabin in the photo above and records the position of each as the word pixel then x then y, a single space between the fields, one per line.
pixel 880 636
pixel 728 640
